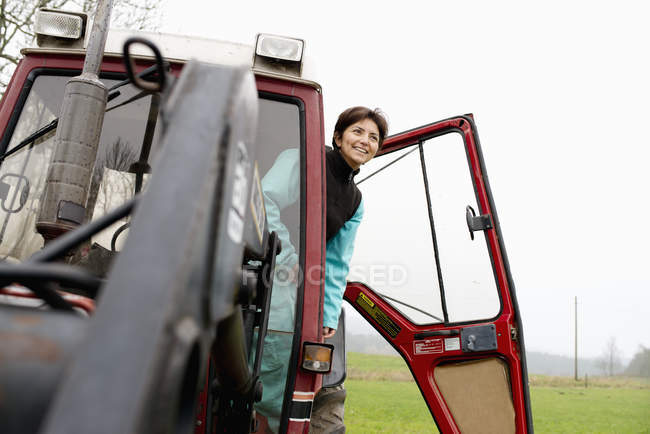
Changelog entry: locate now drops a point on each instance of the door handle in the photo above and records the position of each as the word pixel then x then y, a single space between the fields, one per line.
pixel 432 333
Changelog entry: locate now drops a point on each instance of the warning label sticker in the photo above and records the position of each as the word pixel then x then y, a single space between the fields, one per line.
pixel 378 315
pixel 427 346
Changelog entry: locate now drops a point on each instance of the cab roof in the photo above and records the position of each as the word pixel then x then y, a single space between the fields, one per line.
pixel 180 49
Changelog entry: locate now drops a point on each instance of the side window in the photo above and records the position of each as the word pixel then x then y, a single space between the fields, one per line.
pixel 278 147
pixel 420 257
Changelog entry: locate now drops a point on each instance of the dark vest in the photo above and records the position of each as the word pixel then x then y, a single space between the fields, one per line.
pixel 343 196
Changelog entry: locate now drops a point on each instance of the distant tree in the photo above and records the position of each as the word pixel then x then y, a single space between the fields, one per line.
pixel 640 364
pixel 17 22
pixel 610 361
pixel 118 156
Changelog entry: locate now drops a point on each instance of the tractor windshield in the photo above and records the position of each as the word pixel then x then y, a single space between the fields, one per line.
pixel 23 173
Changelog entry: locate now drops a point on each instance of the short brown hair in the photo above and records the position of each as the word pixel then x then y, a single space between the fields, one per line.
pixel 359 113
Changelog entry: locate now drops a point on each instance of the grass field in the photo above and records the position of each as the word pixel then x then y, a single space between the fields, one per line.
pixel 382 398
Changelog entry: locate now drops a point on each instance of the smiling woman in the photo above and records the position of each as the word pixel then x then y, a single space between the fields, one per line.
pixel 359 143
pixel 358 135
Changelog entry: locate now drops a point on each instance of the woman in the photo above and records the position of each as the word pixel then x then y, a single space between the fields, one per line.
pixel 358 135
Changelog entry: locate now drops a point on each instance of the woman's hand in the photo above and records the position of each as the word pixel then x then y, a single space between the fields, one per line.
pixel 328 332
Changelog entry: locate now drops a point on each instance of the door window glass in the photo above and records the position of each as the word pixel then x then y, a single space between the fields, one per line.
pixel 424 264
pixel 467 274
pixel 393 252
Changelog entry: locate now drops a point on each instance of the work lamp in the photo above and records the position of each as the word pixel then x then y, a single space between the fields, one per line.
pixel 279 47
pixel 60 28
pixel 278 54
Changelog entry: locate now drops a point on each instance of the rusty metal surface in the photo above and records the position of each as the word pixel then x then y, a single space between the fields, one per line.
pixel 35 346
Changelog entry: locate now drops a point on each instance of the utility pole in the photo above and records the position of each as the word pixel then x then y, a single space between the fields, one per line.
pixel 575 366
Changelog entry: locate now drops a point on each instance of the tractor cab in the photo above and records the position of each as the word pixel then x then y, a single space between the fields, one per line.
pixel 429 273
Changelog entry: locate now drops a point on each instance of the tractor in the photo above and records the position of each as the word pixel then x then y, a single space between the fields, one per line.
pixel 138 263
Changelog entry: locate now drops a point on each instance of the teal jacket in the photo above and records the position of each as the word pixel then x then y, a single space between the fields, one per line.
pixel 281 188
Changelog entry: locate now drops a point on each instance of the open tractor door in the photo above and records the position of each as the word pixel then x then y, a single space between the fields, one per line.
pixel 436 283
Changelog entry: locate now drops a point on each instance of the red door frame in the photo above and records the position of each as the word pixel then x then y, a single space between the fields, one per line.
pixel 297 407
pixel 509 343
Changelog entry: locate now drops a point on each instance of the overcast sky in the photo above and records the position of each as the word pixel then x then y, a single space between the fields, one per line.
pixel 560 94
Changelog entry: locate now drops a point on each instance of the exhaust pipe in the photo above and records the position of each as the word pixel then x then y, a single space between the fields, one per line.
pixel 67 185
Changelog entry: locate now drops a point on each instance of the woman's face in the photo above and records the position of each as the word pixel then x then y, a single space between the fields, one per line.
pixel 359 142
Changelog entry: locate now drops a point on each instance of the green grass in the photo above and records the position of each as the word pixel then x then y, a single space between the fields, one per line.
pixel 386 407
pixel 376 367
pixel 374 362
pixel 594 410
pixel 598 382
pixel 383 398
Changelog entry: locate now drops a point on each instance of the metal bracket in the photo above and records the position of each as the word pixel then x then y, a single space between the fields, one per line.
pixel 71 212
pixel 513 333
pixel 477 223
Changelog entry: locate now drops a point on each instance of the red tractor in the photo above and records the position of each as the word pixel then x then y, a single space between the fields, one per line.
pixel 138 263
